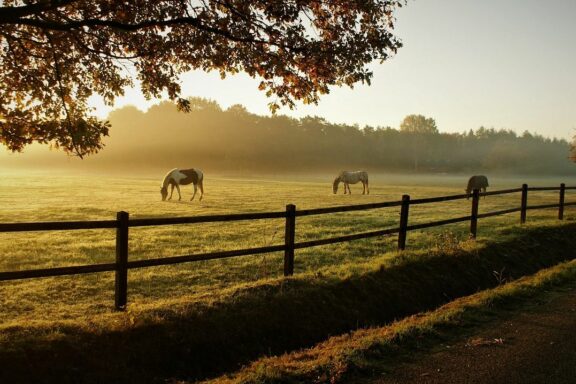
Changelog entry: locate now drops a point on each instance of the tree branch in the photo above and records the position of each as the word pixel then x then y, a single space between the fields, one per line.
pixel 9 14
pixel 190 21
pixel 63 97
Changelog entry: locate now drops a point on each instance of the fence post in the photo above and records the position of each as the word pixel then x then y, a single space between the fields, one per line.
pixel 121 278
pixel 403 222
pixel 561 204
pixel 524 203
pixel 289 239
pixel 474 214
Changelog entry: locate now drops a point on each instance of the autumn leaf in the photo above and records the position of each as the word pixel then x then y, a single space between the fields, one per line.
pixel 55 55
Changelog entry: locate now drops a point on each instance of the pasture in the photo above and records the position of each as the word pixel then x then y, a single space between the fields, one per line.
pixel 89 298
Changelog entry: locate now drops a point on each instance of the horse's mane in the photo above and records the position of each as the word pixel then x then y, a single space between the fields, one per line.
pixel 165 180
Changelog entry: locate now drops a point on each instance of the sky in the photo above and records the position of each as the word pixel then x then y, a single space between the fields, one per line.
pixel 504 64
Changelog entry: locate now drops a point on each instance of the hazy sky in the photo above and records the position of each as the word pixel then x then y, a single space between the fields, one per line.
pixel 466 63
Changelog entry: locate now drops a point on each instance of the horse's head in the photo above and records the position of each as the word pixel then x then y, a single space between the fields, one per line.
pixel 164 193
pixel 335 184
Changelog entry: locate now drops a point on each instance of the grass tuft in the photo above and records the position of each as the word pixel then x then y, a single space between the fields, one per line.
pixel 367 350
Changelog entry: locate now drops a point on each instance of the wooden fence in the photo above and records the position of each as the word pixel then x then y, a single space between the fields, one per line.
pixel 123 223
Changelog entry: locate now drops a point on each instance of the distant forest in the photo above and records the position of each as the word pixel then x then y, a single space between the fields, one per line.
pixel 235 140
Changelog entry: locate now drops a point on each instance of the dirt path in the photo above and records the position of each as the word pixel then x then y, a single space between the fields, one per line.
pixel 535 345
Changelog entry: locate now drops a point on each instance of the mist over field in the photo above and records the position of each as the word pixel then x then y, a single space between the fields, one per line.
pixel 236 141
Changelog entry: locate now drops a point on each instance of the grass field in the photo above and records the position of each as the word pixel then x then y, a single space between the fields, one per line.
pixel 61 197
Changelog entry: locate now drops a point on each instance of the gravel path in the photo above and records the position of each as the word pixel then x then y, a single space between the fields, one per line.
pixel 535 345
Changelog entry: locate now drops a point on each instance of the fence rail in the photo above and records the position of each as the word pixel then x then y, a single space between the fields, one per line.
pixel 57 226
pixel 123 223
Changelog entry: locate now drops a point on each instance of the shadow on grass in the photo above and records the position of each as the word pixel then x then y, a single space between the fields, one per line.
pixel 275 318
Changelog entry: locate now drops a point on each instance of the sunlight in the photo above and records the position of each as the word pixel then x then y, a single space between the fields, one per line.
pixel 234 89
pixel 132 96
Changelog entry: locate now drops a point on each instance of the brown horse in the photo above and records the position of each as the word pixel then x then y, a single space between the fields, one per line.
pixel 177 177
pixel 477 182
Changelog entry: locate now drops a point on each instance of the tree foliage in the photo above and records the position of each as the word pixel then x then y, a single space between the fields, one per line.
pixel 418 124
pixel 55 54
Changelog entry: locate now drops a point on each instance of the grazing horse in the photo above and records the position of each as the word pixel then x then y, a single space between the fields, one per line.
pixel 476 182
pixel 348 177
pixel 177 177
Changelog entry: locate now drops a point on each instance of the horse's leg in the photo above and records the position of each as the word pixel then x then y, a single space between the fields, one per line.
pixel 345 188
pixel 171 191
pixel 200 184
pixel 179 195
pixel 363 188
pixel 349 191
pixel 194 192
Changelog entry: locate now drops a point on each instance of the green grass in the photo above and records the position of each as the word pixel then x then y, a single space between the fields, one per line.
pixel 373 350
pixel 194 337
pixel 41 197
pixel 200 319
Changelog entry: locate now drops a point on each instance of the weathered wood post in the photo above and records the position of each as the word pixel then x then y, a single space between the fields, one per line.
pixel 561 203
pixel 474 213
pixel 403 222
pixel 289 240
pixel 524 203
pixel 121 280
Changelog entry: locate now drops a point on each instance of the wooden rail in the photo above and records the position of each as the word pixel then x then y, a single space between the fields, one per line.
pixel 57 226
pixel 123 223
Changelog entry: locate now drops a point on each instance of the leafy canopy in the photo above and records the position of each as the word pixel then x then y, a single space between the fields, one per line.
pixel 418 124
pixel 55 54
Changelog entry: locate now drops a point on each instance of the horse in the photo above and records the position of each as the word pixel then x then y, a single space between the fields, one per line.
pixel 348 177
pixel 476 182
pixel 177 177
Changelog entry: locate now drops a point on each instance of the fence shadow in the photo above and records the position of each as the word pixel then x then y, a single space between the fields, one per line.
pixel 278 317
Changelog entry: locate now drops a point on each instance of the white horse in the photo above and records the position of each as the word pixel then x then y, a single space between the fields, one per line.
pixel 477 182
pixel 348 177
pixel 177 177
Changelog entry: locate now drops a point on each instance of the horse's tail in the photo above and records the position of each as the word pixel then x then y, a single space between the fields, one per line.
pixel 201 181
pixel 366 186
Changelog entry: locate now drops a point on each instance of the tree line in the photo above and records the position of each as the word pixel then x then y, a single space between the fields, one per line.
pixel 237 140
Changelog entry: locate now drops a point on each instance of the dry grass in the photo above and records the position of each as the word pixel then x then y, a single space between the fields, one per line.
pixel 41 197
pixel 205 318
pixel 368 350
